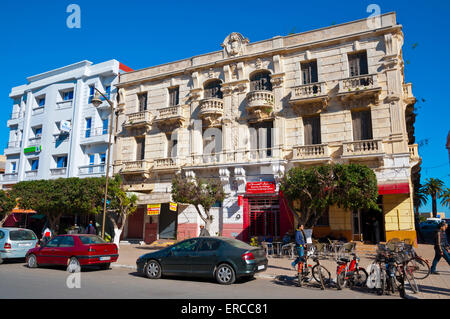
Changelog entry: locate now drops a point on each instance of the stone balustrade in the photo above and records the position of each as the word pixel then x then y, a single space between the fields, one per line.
pixel 358 83
pixel 211 106
pixel 139 118
pixel 311 90
pixel 136 166
pixel 365 147
pixel 316 151
pixel 414 152
pixel 256 99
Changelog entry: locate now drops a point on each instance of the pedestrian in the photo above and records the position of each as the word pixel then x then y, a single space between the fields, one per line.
pixel 203 232
pixel 441 248
pixel 300 241
pixel 91 229
pixel 376 230
pixel 46 235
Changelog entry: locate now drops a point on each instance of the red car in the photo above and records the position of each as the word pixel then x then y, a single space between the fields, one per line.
pixel 74 251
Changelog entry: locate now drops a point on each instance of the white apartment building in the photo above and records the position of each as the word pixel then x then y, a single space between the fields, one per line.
pixel 54 129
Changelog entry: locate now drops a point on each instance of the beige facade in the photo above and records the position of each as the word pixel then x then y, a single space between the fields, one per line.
pixel 151 117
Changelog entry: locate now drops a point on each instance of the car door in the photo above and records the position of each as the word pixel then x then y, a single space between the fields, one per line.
pixel 179 258
pixel 47 254
pixel 207 256
pixel 64 250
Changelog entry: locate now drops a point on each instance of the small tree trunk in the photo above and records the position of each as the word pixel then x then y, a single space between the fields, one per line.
pixel 4 219
pixel 434 206
pixel 117 233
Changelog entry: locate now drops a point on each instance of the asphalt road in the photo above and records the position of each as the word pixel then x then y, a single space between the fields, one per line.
pixel 18 281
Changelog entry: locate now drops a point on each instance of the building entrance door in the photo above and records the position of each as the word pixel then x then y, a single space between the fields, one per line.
pixel 136 224
pixel 167 222
pixel 356 225
pixel 264 216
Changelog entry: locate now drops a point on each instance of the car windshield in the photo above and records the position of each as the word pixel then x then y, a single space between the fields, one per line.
pixel 86 240
pixel 17 235
pixel 237 243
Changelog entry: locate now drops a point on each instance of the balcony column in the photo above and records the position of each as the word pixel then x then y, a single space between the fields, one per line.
pixel 224 174
pixel 278 172
pixel 239 175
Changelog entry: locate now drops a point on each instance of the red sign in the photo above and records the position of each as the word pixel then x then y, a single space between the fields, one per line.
pixel 401 188
pixel 240 200
pixel 260 188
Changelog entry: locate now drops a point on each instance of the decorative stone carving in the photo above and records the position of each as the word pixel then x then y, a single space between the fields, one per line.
pixel 235 44
pixel 224 175
pixel 239 175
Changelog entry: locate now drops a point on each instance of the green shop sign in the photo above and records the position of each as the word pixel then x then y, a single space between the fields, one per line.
pixel 33 149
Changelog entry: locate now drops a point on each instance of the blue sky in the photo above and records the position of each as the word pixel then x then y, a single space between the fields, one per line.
pixel 141 33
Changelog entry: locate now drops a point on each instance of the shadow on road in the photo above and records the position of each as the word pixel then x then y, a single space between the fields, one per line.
pixel 85 269
pixel 239 281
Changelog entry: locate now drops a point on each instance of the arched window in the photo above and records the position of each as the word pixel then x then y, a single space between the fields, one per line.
pixel 260 81
pixel 212 89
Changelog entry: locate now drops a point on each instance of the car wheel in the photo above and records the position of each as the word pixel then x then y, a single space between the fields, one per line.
pixel 152 269
pixel 73 265
pixel 32 261
pixel 225 274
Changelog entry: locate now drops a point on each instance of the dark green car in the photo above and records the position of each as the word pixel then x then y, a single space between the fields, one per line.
pixel 223 258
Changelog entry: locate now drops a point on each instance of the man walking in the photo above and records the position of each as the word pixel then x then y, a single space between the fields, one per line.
pixel 300 241
pixel 440 247
pixel 91 229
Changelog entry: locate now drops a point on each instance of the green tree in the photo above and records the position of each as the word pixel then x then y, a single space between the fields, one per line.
pixel 7 204
pixel 434 188
pixel 200 193
pixel 121 206
pixel 311 191
pixel 420 198
pixel 446 197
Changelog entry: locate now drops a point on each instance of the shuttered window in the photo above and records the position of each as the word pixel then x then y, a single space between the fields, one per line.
pixel 171 146
pixel 309 72
pixel 142 98
pixel 260 82
pixel 261 137
pixel 358 64
pixel 312 130
pixel 362 125
pixel 140 148
pixel 174 96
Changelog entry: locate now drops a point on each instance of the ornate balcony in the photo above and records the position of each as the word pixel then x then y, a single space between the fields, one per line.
pixel 313 95
pixel 167 164
pixel 138 119
pixel 363 87
pixel 414 154
pixel 211 111
pixel 307 153
pixel 141 167
pixel 366 148
pixel 260 104
pixel 408 96
pixel 171 117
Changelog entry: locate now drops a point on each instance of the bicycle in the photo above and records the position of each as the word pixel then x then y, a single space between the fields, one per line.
pixel 419 266
pixel 348 271
pixel 305 271
pixel 405 270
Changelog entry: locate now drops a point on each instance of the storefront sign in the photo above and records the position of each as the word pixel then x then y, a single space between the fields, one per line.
pixel 400 188
pixel 32 149
pixel 153 209
pixel 173 207
pixel 260 188
pixel 240 200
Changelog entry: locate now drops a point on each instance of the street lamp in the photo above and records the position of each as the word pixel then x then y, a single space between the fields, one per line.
pixel 96 101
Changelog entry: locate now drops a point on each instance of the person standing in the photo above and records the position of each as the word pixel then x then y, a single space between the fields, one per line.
pixel 376 230
pixel 440 247
pixel 91 229
pixel 46 235
pixel 203 232
pixel 300 241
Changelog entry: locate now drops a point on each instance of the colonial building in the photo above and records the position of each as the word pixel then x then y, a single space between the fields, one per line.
pixel 249 112
pixel 55 130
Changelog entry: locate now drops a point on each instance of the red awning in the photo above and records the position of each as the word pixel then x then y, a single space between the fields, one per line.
pixel 400 188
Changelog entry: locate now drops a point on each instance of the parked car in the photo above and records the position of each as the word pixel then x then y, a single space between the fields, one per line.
pixel 15 242
pixel 428 228
pixel 224 259
pixel 74 251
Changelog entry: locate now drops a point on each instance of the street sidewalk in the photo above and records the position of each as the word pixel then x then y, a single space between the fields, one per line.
pixel 433 287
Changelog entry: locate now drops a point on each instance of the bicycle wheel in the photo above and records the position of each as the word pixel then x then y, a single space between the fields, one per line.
pixel 300 274
pixel 411 280
pixel 420 268
pixel 321 275
pixel 360 277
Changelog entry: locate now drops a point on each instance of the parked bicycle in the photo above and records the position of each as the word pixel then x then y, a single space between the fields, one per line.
pixel 305 271
pixel 349 273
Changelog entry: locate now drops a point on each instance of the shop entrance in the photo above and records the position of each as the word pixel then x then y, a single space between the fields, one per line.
pixel 136 224
pixel 264 216
pixel 167 222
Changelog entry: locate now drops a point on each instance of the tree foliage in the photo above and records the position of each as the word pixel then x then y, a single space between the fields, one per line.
pixel 434 187
pixel 200 193
pixel 7 204
pixel 311 191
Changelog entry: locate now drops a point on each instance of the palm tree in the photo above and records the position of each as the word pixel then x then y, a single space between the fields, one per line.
pixel 434 188
pixel 446 197
pixel 420 198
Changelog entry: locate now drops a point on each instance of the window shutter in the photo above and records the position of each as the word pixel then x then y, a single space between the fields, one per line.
pixel 366 122
pixel 363 66
pixel 356 119
pixel 307 126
